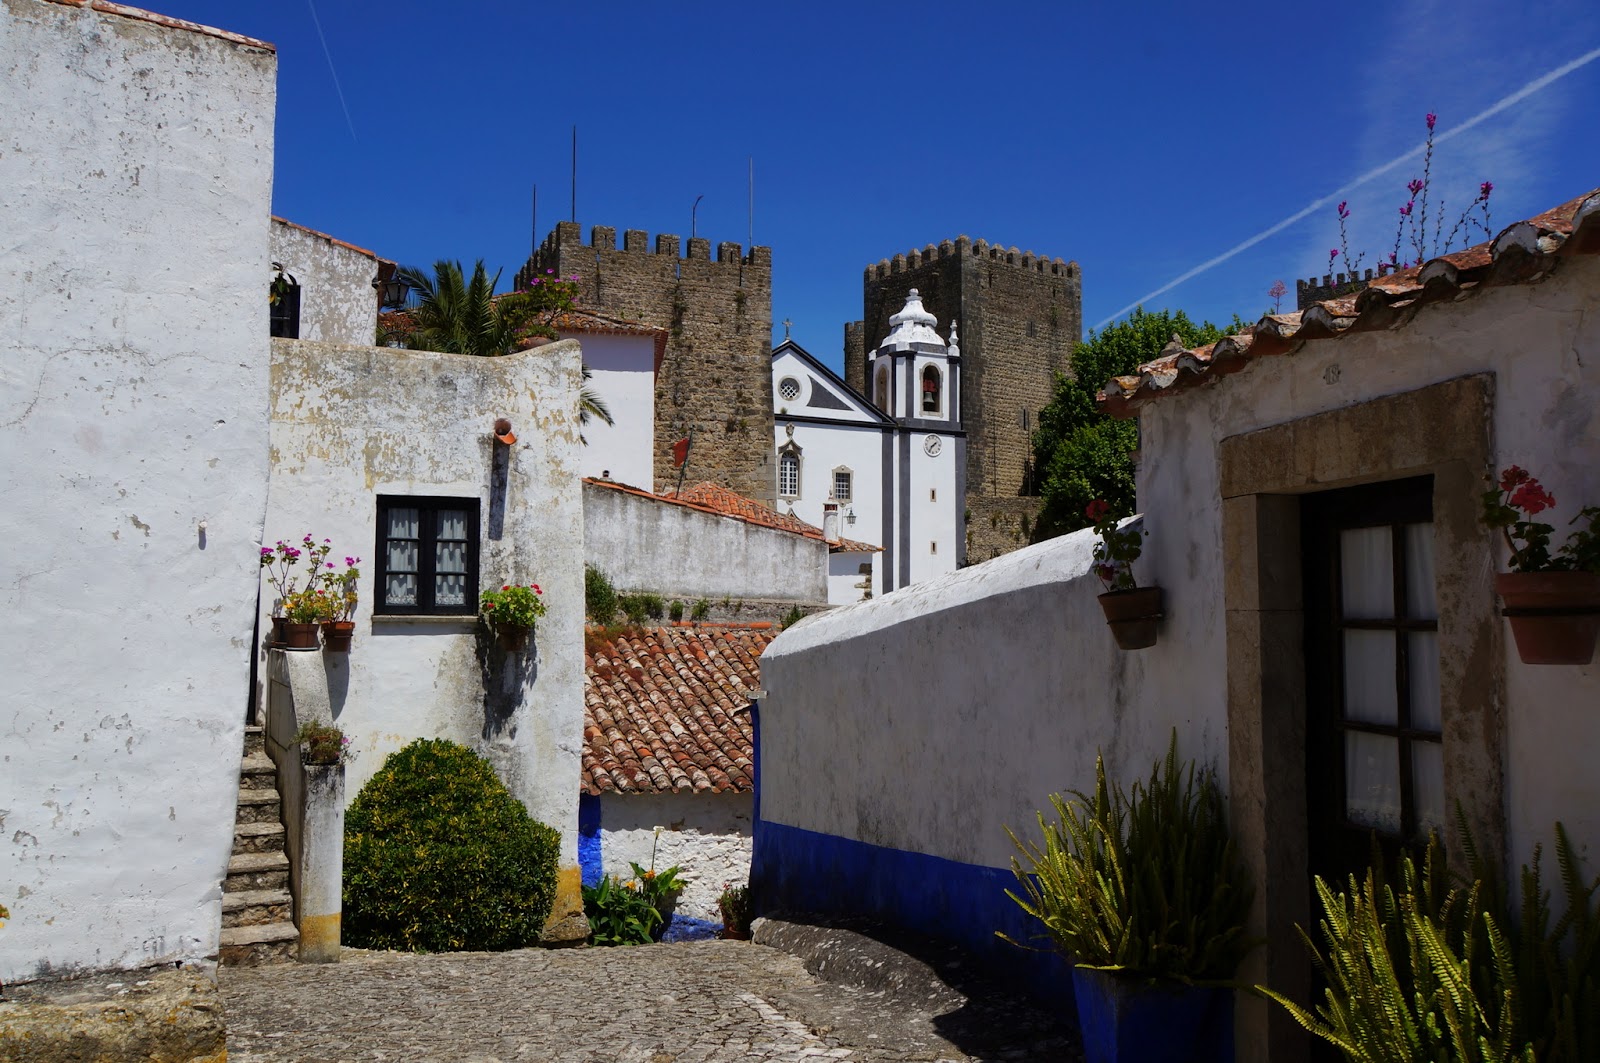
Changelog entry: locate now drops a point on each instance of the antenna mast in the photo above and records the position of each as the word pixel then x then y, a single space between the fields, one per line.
pixel 574 173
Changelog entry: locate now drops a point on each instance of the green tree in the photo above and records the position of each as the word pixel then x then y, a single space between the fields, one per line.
pixel 454 315
pixel 1080 453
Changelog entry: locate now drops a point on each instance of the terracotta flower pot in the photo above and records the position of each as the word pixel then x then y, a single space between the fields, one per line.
pixel 1133 616
pixel 513 637
pixel 1555 616
pixel 336 635
pixel 299 636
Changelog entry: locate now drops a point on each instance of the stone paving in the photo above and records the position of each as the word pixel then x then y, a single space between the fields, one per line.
pixel 692 1002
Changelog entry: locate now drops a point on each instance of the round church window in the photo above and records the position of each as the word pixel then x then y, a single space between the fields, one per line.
pixel 789 388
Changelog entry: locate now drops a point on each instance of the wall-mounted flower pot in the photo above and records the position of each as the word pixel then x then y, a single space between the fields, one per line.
pixel 1555 616
pixel 513 638
pixel 336 635
pixel 299 636
pixel 1127 1019
pixel 1133 616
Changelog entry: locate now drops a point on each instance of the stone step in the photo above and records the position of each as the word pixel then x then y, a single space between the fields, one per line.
pixel 254 741
pixel 258 806
pixel 257 838
pixel 256 907
pixel 256 772
pixel 252 946
pixel 256 871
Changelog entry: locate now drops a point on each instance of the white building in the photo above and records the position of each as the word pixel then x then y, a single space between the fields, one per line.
pixel 890 471
pixel 623 358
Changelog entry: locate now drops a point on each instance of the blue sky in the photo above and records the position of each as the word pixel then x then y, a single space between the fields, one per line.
pixel 1141 140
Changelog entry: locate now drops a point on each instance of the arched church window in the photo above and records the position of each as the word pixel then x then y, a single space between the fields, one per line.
pixel 789 475
pixel 930 390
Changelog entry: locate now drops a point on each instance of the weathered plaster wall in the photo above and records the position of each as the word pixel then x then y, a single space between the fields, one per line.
pixel 351 423
pixel 137 171
pixel 645 545
pixel 337 301
pixel 1542 343
pixel 707 835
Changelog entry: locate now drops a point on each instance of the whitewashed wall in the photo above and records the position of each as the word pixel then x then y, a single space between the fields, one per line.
pixel 707 835
pixel 137 169
pixel 1542 342
pixel 337 301
pixel 624 378
pixel 351 423
pixel 825 448
pixel 642 544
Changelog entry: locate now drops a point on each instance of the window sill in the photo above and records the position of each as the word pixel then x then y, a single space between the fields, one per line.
pixel 448 620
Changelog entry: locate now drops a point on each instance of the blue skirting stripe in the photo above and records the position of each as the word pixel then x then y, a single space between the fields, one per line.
pixel 806 871
pixel 589 860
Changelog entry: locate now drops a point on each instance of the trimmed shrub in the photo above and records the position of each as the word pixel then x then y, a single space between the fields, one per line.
pixel 599 596
pixel 439 857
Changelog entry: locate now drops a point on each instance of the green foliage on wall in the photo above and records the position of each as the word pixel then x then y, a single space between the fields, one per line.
pixel 599 596
pixel 440 857
pixel 1082 454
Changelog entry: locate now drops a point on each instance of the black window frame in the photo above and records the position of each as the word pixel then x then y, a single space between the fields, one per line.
pixel 284 320
pixel 427 506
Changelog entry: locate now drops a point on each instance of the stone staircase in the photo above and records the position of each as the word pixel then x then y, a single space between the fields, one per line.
pixel 257 911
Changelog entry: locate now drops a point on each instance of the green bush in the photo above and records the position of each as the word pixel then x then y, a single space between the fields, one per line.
pixel 792 617
pixel 620 913
pixel 702 609
pixel 439 857
pixel 638 607
pixel 1146 881
pixel 599 596
pixel 676 611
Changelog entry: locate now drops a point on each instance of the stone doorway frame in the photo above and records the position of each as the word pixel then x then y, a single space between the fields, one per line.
pixel 1443 430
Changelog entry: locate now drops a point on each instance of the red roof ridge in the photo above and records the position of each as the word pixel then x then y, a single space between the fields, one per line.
pixel 140 15
pixel 1522 253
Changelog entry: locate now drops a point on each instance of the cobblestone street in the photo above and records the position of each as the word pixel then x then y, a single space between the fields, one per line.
pixel 678 1003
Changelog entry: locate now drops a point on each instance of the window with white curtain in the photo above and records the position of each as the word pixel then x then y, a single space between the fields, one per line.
pixel 427 555
pixel 789 475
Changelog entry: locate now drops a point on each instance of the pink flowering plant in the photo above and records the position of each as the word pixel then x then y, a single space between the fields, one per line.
pixel 512 606
pixel 343 586
pixel 1118 548
pixel 532 309
pixel 1411 227
pixel 1509 505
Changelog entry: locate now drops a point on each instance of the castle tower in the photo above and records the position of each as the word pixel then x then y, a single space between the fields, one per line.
pixel 1020 315
pixel 715 377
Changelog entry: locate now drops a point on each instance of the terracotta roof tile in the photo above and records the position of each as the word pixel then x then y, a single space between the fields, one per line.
pixel 332 239
pixel 577 319
pixel 137 14
pixel 664 708
pixel 1523 253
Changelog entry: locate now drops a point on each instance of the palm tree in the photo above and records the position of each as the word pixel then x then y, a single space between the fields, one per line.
pixel 454 315
pixel 590 404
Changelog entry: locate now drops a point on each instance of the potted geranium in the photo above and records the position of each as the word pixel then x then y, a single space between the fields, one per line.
pixel 1132 612
pixel 304 611
pixel 1145 893
pixel 278 562
pixel 1551 598
pixel 511 612
pixel 338 631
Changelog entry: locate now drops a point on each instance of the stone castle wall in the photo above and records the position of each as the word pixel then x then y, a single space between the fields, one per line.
pixel 1019 316
pixel 1334 285
pixel 716 376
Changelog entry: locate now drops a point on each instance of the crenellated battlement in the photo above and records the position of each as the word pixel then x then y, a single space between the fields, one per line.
pixel 1333 285
pixel 963 246
pixel 568 235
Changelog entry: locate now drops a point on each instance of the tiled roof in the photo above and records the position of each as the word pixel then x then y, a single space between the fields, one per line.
pixel 664 708
pixel 331 239
pixel 141 15
pixel 708 497
pixel 579 320
pixel 1523 253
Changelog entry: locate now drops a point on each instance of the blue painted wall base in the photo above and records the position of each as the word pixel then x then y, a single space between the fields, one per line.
pixel 1128 1020
pixel 685 928
pixel 804 871
pixel 589 859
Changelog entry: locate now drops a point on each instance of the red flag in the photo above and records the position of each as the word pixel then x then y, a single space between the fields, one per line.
pixel 680 452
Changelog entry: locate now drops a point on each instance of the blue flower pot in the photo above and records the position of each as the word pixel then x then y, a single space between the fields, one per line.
pixel 1127 1019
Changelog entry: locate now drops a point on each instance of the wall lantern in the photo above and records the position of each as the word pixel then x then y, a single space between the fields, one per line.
pixel 850 515
pixel 392 291
pixel 503 433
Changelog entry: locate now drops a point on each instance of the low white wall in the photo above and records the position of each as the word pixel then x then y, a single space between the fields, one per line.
pixel 707 835
pixel 137 171
pixel 337 301
pixel 647 545
pixel 351 423
pixel 930 719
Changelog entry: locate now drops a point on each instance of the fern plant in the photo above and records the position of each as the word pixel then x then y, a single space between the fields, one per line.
pixel 1448 973
pixel 1146 881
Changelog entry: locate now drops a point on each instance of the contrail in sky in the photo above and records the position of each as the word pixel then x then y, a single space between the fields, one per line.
pixel 1516 97
pixel 318 23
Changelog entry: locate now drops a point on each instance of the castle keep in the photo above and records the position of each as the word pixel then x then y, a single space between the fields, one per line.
pixel 1019 315
pixel 715 377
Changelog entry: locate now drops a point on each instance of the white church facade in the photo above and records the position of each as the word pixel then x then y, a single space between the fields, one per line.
pixel 889 471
